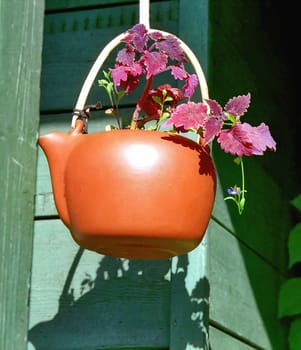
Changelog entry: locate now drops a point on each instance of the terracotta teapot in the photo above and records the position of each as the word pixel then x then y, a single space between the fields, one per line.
pixel 131 193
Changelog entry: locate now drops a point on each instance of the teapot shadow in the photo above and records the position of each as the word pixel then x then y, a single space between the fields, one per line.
pixel 110 311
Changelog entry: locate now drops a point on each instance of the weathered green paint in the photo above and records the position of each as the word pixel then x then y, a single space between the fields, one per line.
pixel 228 286
pixel 81 299
pixel 243 291
pixel 21 27
pixel 221 340
pixel 56 5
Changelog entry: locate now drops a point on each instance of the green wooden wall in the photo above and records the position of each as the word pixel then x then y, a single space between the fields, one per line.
pixel 21 27
pixel 221 296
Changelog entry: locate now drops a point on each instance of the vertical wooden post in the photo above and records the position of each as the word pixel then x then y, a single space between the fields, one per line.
pixel 21 29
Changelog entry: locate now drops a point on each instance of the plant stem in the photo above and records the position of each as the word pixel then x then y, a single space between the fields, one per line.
pixel 242 199
pixel 140 103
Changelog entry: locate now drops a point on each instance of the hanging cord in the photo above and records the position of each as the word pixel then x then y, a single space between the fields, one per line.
pixel 144 13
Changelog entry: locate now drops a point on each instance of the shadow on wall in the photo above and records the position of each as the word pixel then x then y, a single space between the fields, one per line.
pixel 129 303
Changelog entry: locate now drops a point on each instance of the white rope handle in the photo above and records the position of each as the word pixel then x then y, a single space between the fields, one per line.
pixel 144 18
pixel 144 13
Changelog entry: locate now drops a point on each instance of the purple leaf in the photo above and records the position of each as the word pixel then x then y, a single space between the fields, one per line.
pixel 156 36
pixel 178 71
pixel 126 57
pixel 238 105
pixel 215 107
pixel 244 139
pixel 171 46
pixel 155 63
pixel 137 37
pixel 190 115
pixel 126 77
pixel 212 128
pixel 191 82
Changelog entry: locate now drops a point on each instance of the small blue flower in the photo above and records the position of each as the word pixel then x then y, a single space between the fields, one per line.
pixel 234 191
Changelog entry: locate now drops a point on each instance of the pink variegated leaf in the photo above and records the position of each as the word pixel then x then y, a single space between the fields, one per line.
pixel 171 46
pixel 259 136
pixel 126 77
pixel 156 36
pixel 155 63
pixel 191 82
pixel 246 140
pixel 213 127
pixel 237 106
pixel 215 107
pixel 126 57
pixel 188 116
pixel 178 71
pixel 137 37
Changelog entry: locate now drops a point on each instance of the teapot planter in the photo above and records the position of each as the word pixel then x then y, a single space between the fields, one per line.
pixel 131 193
pixel 145 191
pixel 123 193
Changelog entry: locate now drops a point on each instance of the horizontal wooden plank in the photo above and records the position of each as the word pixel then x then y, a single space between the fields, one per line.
pixel 73 41
pixel 220 340
pixel 56 5
pixel 85 300
pixel 243 291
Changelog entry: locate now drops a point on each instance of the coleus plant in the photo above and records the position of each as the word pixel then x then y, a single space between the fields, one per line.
pixel 147 54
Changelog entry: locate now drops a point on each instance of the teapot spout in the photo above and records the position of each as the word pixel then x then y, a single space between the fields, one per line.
pixel 57 147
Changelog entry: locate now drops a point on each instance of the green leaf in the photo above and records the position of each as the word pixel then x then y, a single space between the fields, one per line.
pixel 107 74
pixel 290 298
pixel 102 82
pixel 110 87
pixel 242 203
pixel 238 160
pixel 168 99
pixel 294 245
pixel 294 336
pixel 296 202
pixel 164 92
pixel 157 99
pixel 230 117
pixel 152 127
pixel 165 116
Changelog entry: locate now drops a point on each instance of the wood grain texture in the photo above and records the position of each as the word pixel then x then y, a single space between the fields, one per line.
pixel 81 299
pixel 56 5
pixel 221 340
pixel 243 291
pixel 20 59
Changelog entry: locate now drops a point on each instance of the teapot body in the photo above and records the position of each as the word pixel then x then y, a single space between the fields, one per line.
pixel 136 193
